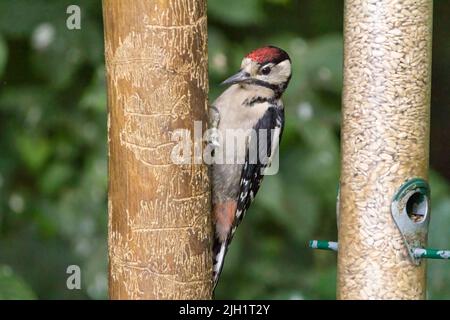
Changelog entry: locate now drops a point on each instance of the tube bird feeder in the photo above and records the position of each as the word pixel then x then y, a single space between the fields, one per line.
pixel 384 143
pixel 159 210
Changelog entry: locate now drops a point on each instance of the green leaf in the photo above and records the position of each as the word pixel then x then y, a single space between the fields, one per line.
pixel 237 12
pixel 270 194
pixel 94 97
pixel 324 68
pixel 19 17
pixel 3 55
pixel 34 151
pixel 12 287
pixel 280 2
pixel 217 54
pixel 55 177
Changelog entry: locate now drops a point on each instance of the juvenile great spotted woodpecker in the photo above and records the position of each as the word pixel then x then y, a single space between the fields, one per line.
pixel 248 118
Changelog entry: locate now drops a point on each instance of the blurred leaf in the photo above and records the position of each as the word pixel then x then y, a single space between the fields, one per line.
pixel 237 12
pixel 29 13
pixel 12 287
pixel 280 2
pixel 3 55
pixel 270 195
pixel 55 177
pixel 95 96
pixel 439 237
pixel 324 67
pixel 34 151
pixel 217 53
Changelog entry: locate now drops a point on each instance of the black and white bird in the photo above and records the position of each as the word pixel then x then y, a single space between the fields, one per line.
pixel 248 118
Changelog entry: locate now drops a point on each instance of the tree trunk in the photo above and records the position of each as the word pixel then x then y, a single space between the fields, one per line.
pixel 385 137
pixel 159 211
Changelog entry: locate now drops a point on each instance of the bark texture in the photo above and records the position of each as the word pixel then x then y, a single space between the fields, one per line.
pixel 159 211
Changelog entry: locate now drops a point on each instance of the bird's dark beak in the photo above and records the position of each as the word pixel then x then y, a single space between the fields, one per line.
pixel 237 78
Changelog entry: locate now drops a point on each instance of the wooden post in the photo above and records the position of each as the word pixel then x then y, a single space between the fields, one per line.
pixel 159 211
pixel 385 137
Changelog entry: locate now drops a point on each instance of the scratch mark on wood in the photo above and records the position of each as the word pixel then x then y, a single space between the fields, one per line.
pixel 159 212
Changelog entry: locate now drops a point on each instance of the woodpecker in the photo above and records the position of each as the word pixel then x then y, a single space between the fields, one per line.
pixel 249 106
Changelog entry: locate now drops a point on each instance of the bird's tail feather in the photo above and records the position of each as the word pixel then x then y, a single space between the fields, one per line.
pixel 220 248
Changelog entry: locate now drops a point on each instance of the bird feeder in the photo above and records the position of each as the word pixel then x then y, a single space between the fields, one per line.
pixel 384 143
pixel 384 197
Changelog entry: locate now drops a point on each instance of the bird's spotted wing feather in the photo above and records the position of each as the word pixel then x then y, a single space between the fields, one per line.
pixel 253 173
pixel 251 178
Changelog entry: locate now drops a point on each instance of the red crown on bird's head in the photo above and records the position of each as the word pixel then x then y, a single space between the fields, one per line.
pixel 268 54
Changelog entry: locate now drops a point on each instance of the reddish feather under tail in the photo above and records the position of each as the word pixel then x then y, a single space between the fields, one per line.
pixel 224 215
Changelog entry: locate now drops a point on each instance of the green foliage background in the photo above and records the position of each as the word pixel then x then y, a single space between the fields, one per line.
pixel 53 149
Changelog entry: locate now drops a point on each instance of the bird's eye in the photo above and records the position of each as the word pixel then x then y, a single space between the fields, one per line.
pixel 265 70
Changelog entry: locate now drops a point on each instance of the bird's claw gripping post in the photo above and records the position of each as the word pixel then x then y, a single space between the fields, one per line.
pixel 410 210
pixel 213 137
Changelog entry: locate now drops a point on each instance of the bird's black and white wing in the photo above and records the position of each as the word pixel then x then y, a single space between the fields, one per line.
pixel 268 134
pixel 269 128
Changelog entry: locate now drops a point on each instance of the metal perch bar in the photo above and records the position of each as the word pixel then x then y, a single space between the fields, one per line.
pixel 420 253
pixel 323 245
pixel 431 253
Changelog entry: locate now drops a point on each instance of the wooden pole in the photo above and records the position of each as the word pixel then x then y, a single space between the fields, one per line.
pixel 159 211
pixel 385 137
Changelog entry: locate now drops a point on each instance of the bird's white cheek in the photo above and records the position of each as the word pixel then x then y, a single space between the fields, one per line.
pixel 263 78
pixel 284 69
